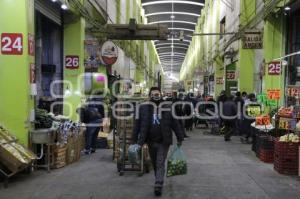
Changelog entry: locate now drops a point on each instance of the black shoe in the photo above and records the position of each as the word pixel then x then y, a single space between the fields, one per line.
pixel 186 136
pixel 227 139
pixel 157 191
pixel 93 151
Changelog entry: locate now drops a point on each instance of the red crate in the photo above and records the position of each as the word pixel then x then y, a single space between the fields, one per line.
pixel 266 156
pixel 286 158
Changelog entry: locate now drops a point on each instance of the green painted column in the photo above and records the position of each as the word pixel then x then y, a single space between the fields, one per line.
pixel 246 62
pixel 273 48
pixel 16 17
pixel 74 34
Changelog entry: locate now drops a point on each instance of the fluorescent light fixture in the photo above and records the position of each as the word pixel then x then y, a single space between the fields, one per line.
pixel 185 29
pixel 175 53
pixel 64 6
pixel 287 8
pixel 172 17
pixel 169 43
pixel 185 40
pixel 172 13
pixel 54 0
pixel 174 1
pixel 177 47
pixel 173 21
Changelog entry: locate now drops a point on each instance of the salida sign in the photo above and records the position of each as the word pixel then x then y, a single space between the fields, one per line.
pixel 253 40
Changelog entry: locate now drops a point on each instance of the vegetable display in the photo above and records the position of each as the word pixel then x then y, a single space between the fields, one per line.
pixel 42 119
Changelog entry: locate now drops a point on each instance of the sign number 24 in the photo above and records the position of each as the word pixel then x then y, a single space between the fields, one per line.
pixel 12 43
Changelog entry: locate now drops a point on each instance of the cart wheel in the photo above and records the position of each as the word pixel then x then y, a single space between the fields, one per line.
pixel 118 165
pixel 121 173
pixel 147 169
pixel 5 183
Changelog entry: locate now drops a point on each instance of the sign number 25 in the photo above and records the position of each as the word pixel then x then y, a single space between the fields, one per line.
pixel 11 43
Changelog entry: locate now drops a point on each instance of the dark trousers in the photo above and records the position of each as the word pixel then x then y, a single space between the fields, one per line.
pixel 158 154
pixel 189 124
pixel 229 128
pixel 91 135
pixel 247 127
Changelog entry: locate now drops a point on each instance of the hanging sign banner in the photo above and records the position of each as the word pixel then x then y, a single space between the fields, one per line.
pixel 274 68
pixel 253 40
pixel 273 94
pixel 32 73
pixel 31 44
pixel 109 53
pixel 11 43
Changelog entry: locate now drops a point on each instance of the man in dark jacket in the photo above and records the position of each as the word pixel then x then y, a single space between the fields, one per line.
pixel 95 114
pixel 239 101
pixel 228 115
pixel 156 125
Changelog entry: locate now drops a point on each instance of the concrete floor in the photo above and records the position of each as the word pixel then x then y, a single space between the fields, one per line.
pixel 216 170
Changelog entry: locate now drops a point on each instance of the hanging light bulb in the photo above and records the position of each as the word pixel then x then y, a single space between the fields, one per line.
pixel 54 0
pixel 287 8
pixel 64 6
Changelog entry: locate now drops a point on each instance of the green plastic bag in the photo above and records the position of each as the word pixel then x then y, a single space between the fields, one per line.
pixel 177 164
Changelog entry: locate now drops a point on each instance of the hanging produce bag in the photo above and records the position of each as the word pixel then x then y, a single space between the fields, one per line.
pixel 134 152
pixel 177 164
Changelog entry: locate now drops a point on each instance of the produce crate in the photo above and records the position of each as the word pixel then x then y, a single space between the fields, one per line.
pixel 266 156
pixel 60 156
pixel 286 158
pixel 266 143
pixel 260 141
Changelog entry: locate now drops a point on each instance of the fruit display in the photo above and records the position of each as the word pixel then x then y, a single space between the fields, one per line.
pixel 288 112
pixel 263 120
pixel 290 138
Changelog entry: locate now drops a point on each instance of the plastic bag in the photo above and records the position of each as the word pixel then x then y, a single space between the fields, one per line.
pixel 177 164
pixel 134 151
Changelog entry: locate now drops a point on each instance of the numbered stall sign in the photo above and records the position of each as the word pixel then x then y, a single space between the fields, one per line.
pixel 274 68
pixel 11 44
pixel 287 124
pixel 293 91
pixel 230 75
pixel 72 61
pixel 273 94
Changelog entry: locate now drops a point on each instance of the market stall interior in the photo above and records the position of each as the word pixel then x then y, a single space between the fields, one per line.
pixel 75 76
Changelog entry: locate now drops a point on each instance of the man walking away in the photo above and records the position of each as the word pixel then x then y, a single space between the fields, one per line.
pixel 228 116
pixel 95 111
pixel 156 130
pixel 240 104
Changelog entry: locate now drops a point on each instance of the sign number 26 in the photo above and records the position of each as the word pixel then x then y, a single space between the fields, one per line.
pixel 11 43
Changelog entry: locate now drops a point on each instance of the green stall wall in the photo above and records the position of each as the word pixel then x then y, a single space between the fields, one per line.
pixel 74 34
pixel 15 102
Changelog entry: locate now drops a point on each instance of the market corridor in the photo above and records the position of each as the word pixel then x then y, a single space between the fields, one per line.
pixel 216 170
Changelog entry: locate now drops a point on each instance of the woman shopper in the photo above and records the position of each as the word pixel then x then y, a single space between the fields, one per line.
pixel 92 115
pixel 156 126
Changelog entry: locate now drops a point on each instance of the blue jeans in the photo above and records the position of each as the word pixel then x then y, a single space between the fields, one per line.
pixel 91 134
